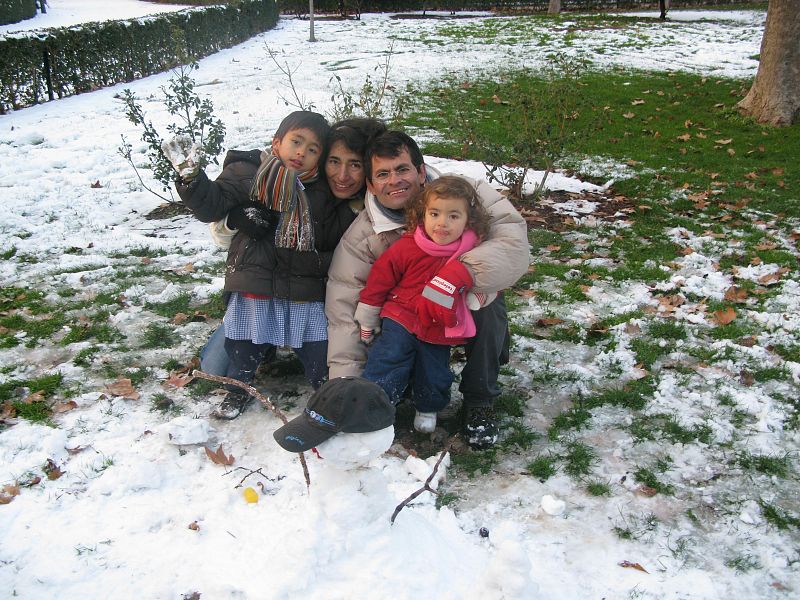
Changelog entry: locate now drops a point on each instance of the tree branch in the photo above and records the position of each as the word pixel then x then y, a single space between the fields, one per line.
pixel 426 487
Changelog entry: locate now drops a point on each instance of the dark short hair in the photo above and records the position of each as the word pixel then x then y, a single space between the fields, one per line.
pixel 390 144
pixel 304 119
pixel 355 134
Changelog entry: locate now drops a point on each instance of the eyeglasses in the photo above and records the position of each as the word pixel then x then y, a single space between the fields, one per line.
pixel 383 176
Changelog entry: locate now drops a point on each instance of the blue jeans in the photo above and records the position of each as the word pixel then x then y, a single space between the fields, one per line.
pixel 213 358
pixel 398 358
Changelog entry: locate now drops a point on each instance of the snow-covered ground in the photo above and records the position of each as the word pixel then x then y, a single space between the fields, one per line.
pixel 141 512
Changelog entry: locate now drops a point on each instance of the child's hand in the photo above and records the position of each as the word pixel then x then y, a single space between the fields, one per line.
pixel 369 321
pixel 253 219
pixel 437 304
pixel 477 300
pixel 183 153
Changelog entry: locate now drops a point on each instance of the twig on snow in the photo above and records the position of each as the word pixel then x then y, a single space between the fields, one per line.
pixel 426 487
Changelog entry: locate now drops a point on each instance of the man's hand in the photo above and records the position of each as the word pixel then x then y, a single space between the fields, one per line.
pixel 437 304
pixel 369 321
pixel 253 219
pixel 183 153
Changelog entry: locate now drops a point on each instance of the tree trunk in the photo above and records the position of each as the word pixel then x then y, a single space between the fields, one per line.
pixel 663 6
pixel 775 95
pixel 311 37
pixel 554 7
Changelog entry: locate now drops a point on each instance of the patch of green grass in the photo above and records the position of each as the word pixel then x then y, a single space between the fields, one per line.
pixel 567 333
pixel 778 517
pixel 84 357
pixel 31 300
pixel 137 376
pixel 158 335
pixel 578 459
pixel 734 330
pixel 573 291
pixel 666 330
pixel 598 488
pixel 47 384
pixel 742 563
pixel 543 467
pixel 632 396
pixel 777 466
pixel 179 304
pixel 517 435
pixel 651 133
pixel 97 328
pixel 575 418
pixel 214 307
pixel 648 351
pixel 649 478
pixel 476 462
pixel 6 254
pixel 202 387
pixel 787 351
pixel 35 412
pixel 445 499
pixel 772 374
pixel 511 404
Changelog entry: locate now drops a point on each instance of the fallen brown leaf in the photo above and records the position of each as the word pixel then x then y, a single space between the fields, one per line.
pixel 179 380
pixel 549 321
pixel 773 278
pixel 124 388
pixel 194 526
pixel 723 317
pixel 34 397
pixel 52 470
pixel 632 565
pixel 735 294
pixel 219 457
pixel 62 407
pixel 7 410
pixel 646 490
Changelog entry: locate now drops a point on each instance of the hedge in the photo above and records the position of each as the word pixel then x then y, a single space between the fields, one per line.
pixel 13 11
pixel 66 61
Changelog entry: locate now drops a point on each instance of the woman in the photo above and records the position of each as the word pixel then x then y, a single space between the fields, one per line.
pixel 343 160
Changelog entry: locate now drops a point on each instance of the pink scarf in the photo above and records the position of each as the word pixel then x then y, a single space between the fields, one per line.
pixel 467 241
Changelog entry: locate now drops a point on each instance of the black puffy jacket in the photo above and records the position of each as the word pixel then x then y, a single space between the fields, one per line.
pixel 257 266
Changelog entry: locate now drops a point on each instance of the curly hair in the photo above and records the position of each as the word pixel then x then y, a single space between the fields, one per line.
pixel 451 187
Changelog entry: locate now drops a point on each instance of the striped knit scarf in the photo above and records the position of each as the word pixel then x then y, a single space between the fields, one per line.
pixel 281 189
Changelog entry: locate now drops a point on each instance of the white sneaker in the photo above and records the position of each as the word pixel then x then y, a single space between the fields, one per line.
pixel 425 422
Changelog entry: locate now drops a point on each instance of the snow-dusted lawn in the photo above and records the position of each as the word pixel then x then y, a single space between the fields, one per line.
pixel 117 522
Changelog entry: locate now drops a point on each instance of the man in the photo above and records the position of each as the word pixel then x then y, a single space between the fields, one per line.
pixel 395 174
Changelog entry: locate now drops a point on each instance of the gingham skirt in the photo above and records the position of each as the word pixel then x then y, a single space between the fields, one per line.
pixel 275 321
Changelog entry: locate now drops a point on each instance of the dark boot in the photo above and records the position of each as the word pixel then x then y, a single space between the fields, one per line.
pixel 480 427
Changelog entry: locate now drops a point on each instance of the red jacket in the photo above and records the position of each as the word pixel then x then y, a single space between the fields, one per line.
pixel 395 282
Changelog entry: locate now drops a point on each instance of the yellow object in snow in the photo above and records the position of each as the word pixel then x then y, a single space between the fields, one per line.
pixel 250 495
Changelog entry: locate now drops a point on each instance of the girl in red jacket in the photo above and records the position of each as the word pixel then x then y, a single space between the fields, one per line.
pixel 443 222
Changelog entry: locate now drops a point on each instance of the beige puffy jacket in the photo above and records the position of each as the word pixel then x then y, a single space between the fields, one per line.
pixel 495 264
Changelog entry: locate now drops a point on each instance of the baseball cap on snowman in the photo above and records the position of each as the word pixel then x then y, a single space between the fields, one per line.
pixel 343 404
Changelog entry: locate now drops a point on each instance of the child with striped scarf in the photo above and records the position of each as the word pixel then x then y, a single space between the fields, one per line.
pixel 286 224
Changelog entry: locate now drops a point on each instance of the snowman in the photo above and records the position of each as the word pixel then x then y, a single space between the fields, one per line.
pixel 348 420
